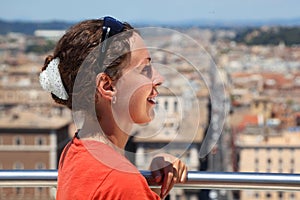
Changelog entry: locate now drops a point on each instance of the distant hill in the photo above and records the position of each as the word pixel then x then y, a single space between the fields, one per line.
pixel 271 35
pixel 29 27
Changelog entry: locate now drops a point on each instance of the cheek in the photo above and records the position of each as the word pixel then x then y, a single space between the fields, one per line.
pixel 139 97
pixel 138 108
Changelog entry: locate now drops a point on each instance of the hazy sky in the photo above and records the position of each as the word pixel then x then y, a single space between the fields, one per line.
pixel 151 10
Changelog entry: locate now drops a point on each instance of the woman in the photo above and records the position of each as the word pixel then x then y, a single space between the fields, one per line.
pixel 101 69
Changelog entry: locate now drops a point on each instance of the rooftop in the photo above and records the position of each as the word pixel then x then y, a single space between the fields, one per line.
pixel 19 118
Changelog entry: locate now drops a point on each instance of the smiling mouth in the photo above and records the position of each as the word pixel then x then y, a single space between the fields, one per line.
pixel 152 100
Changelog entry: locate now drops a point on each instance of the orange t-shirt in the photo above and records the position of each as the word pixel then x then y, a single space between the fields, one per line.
pixel 93 170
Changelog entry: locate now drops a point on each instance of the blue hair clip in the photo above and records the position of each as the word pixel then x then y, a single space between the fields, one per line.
pixel 111 27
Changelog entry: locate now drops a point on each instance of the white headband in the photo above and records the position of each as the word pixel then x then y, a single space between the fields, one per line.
pixel 50 80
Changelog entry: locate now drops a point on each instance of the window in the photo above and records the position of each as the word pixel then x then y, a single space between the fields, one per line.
pixel 280 165
pixel 19 191
pixel 169 125
pixel 280 195
pixel 268 195
pixel 40 165
pixel 166 105
pixel 18 140
pixel 40 140
pixel 256 152
pixel 18 165
pixel 292 196
pixel 39 191
pixel 256 165
pixel 269 162
pixel 175 106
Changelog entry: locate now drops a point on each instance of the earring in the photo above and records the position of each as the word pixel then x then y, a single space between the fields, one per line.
pixel 114 99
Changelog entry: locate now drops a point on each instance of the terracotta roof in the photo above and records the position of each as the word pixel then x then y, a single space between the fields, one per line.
pixel 248 120
pixel 271 79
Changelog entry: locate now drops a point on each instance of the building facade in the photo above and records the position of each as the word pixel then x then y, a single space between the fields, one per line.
pixel 272 153
pixel 31 149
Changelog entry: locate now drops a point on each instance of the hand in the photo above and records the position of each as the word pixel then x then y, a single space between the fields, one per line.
pixel 168 170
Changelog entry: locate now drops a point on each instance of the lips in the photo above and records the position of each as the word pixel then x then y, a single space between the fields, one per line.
pixel 152 97
pixel 152 100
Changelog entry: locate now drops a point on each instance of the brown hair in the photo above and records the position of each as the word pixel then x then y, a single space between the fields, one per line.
pixel 79 48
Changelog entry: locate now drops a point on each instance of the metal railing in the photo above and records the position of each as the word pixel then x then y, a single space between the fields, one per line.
pixel 196 180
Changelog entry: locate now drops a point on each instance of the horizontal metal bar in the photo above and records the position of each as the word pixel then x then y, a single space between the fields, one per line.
pixel 28 178
pixel 196 180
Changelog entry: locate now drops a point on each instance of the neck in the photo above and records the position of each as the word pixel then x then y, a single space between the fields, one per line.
pixel 114 133
pixel 107 131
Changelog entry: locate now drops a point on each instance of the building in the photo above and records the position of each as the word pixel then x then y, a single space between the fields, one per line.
pixel 33 129
pixel 274 153
pixel 54 35
pixel 37 145
pixel 266 134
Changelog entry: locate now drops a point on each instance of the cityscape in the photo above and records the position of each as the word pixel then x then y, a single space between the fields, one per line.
pixel 244 85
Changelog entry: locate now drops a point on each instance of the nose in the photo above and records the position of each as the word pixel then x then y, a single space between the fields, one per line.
pixel 157 78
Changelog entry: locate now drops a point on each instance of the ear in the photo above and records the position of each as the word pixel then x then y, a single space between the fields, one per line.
pixel 104 86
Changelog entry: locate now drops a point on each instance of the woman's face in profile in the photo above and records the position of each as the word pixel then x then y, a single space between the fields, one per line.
pixel 136 89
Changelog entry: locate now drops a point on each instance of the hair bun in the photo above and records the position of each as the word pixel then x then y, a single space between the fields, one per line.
pixel 48 59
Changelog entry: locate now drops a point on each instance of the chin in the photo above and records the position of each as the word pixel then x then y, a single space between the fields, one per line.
pixel 144 119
